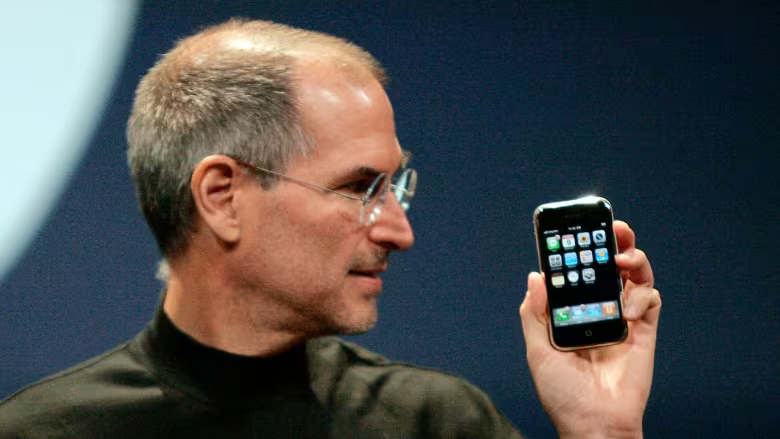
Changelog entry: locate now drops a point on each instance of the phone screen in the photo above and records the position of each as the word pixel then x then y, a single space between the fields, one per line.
pixel 577 246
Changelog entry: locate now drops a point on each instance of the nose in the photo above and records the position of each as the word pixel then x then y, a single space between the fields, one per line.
pixel 391 229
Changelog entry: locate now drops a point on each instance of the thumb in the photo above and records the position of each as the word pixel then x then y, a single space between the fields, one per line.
pixel 533 313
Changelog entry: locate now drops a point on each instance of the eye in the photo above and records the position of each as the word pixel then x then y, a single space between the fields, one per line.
pixel 358 187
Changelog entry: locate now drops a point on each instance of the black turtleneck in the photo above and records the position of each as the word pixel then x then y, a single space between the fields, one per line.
pixel 165 384
pixel 220 379
pixel 267 396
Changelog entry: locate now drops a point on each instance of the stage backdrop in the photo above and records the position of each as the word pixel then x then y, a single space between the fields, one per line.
pixel 670 111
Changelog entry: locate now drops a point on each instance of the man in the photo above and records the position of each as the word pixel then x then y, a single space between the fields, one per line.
pixel 262 156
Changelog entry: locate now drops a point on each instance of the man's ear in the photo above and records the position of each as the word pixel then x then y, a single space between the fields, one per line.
pixel 213 184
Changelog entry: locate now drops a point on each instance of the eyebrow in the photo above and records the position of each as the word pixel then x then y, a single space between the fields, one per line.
pixel 360 171
pixel 368 171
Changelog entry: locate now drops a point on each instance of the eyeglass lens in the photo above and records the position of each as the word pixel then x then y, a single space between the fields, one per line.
pixel 403 189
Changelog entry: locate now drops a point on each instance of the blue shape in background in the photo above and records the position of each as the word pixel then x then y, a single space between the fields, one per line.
pixel 670 111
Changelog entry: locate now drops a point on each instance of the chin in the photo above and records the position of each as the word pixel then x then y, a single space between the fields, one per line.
pixel 357 322
pixel 358 329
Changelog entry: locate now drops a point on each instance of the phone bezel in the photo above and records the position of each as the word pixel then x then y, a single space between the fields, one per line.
pixel 584 335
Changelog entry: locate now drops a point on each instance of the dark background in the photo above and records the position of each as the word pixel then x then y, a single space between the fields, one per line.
pixel 669 110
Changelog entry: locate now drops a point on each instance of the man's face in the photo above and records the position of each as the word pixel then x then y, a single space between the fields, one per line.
pixel 311 256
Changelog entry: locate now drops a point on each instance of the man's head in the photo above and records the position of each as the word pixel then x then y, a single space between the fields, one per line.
pixel 306 105
pixel 228 89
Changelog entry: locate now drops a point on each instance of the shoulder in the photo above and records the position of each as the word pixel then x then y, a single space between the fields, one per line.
pixel 349 375
pixel 63 399
pixel 369 368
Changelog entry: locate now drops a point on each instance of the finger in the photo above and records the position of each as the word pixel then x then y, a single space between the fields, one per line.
pixel 533 313
pixel 636 267
pixel 626 238
pixel 643 304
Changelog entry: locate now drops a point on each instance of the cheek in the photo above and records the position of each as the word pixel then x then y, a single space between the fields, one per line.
pixel 325 239
pixel 311 237
pixel 337 238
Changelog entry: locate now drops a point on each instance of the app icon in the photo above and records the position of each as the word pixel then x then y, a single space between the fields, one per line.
pixel 571 259
pixel 568 242
pixel 586 256
pixel 555 261
pixel 599 237
pixel 602 255
pixel 589 275
pixel 609 308
pixel 562 314
pixel 557 279
pixel 594 310
pixel 578 312
pixel 553 244
pixel 584 239
pixel 573 276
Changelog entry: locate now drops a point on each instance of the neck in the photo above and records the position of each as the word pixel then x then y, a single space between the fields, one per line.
pixel 215 314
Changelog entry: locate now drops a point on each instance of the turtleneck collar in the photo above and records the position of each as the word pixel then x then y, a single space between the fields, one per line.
pixel 216 377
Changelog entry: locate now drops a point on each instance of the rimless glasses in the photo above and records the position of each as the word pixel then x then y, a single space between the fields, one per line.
pixel 374 195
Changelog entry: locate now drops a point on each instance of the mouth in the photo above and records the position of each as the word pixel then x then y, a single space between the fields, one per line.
pixel 367 279
pixel 372 272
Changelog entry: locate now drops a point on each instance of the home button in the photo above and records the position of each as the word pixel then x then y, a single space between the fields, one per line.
pixel 588 332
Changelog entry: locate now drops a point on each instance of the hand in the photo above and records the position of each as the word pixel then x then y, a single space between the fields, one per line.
pixel 599 392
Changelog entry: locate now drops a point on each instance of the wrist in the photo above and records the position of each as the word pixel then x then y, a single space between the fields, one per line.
pixel 600 435
pixel 601 431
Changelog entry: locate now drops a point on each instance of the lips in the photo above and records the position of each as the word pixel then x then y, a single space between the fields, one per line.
pixel 371 272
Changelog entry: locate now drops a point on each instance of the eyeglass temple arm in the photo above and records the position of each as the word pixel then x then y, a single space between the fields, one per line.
pixel 305 183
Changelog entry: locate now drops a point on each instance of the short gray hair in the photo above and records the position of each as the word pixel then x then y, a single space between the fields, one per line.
pixel 228 89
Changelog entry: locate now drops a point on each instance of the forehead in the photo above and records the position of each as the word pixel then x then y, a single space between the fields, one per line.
pixel 348 115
